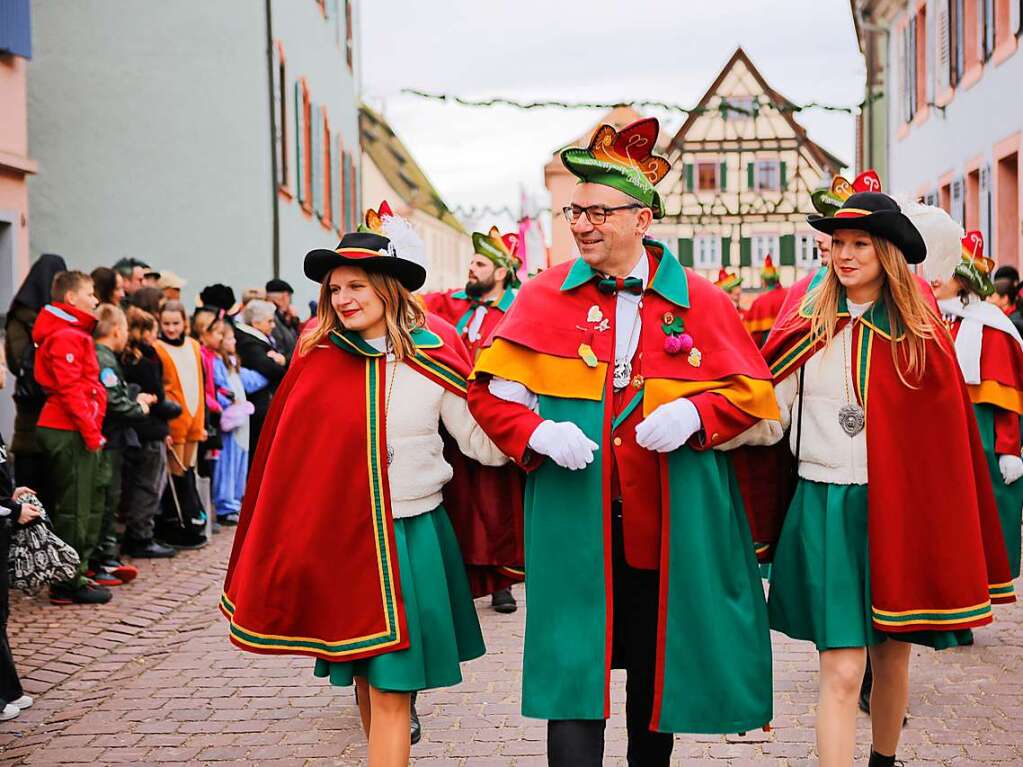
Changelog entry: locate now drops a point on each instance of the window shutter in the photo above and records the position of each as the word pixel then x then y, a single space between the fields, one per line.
pixel 1016 17
pixel 958 201
pixel 787 248
pixel 685 251
pixel 930 55
pixel 783 175
pixel 988 27
pixel 314 161
pixel 750 171
pixel 726 251
pixel 985 208
pixel 16 28
pixel 335 184
pixel 723 176
pixel 356 194
pixel 745 252
pixel 299 140
pixel 689 176
pixel 346 174
pixel 943 41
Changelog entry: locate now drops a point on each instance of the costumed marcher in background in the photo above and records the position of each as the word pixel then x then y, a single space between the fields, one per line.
pixel 182 523
pixel 254 342
pixel 287 326
pixel 1006 294
pixel 489 290
pixel 29 462
pixel 394 614
pixel 145 468
pixel 990 353
pixel 609 380
pixel 234 384
pixel 15 511
pixel 851 396
pixel 732 285
pixel 494 550
pixel 127 406
pixel 763 312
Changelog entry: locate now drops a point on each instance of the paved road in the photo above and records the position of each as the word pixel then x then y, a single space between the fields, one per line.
pixel 151 679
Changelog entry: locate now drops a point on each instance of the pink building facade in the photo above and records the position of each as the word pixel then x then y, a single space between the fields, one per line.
pixel 15 164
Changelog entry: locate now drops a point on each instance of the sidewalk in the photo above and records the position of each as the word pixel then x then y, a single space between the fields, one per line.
pixel 151 679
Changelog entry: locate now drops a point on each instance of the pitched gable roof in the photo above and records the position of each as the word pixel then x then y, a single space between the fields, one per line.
pixel 825 158
pixel 399 168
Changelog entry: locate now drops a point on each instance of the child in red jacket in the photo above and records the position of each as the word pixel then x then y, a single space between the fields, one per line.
pixel 70 425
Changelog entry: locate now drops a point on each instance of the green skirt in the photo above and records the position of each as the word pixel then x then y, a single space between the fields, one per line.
pixel 442 624
pixel 820 579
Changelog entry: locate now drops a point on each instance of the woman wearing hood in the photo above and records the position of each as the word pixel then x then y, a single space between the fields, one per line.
pixel 31 297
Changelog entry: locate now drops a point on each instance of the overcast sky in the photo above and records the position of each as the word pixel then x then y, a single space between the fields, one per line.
pixel 596 50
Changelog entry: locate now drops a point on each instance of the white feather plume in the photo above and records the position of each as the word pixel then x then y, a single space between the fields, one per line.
pixel 406 241
pixel 942 236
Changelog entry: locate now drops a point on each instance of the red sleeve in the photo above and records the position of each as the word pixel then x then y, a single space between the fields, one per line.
pixel 65 355
pixel 721 420
pixel 509 424
pixel 1007 432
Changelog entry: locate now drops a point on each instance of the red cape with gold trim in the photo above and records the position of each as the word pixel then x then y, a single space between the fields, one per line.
pixel 937 558
pixel 313 570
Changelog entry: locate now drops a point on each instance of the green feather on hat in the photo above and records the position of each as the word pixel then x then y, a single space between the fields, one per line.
pixel 501 250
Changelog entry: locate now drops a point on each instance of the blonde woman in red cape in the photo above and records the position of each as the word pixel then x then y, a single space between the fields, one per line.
pixel 366 576
pixel 866 374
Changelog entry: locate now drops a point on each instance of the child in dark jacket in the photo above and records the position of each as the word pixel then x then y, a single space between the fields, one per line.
pixel 145 466
pixel 70 425
pixel 126 406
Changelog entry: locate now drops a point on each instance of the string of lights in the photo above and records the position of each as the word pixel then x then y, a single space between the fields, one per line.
pixel 757 104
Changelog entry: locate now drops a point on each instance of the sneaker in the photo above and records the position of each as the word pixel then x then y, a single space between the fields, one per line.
pixel 503 601
pixel 88 593
pixel 229 520
pixel 183 539
pixel 148 550
pixel 9 712
pixel 127 573
pixel 22 703
pixel 103 576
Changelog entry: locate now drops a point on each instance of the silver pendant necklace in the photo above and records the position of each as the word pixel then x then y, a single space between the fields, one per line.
pixel 387 408
pixel 850 416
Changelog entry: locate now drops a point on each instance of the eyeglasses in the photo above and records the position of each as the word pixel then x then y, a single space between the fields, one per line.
pixel 597 214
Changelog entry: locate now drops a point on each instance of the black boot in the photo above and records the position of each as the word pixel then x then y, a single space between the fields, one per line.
pixel 503 601
pixel 876 760
pixel 415 726
pixel 865 688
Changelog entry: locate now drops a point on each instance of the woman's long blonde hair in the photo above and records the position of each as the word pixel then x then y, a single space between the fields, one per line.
pixel 402 312
pixel 909 315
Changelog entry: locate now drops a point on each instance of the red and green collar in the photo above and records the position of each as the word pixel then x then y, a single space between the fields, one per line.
pixel 669 280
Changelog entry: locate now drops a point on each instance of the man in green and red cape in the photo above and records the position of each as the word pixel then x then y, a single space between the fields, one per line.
pixel 763 312
pixel 611 380
pixel 489 290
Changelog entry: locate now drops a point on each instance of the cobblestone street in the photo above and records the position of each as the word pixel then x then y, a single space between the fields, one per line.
pixel 151 678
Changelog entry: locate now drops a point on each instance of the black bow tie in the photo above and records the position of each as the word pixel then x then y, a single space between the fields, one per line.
pixel 613 285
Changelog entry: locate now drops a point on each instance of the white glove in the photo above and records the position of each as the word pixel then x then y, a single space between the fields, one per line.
pixel 669 426
pixel 564 443
pixel 1011 467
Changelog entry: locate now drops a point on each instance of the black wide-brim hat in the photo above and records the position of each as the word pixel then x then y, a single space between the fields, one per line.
pixel 370 251
pixel 877 214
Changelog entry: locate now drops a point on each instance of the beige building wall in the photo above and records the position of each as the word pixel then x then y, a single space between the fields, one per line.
pixel 447 250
